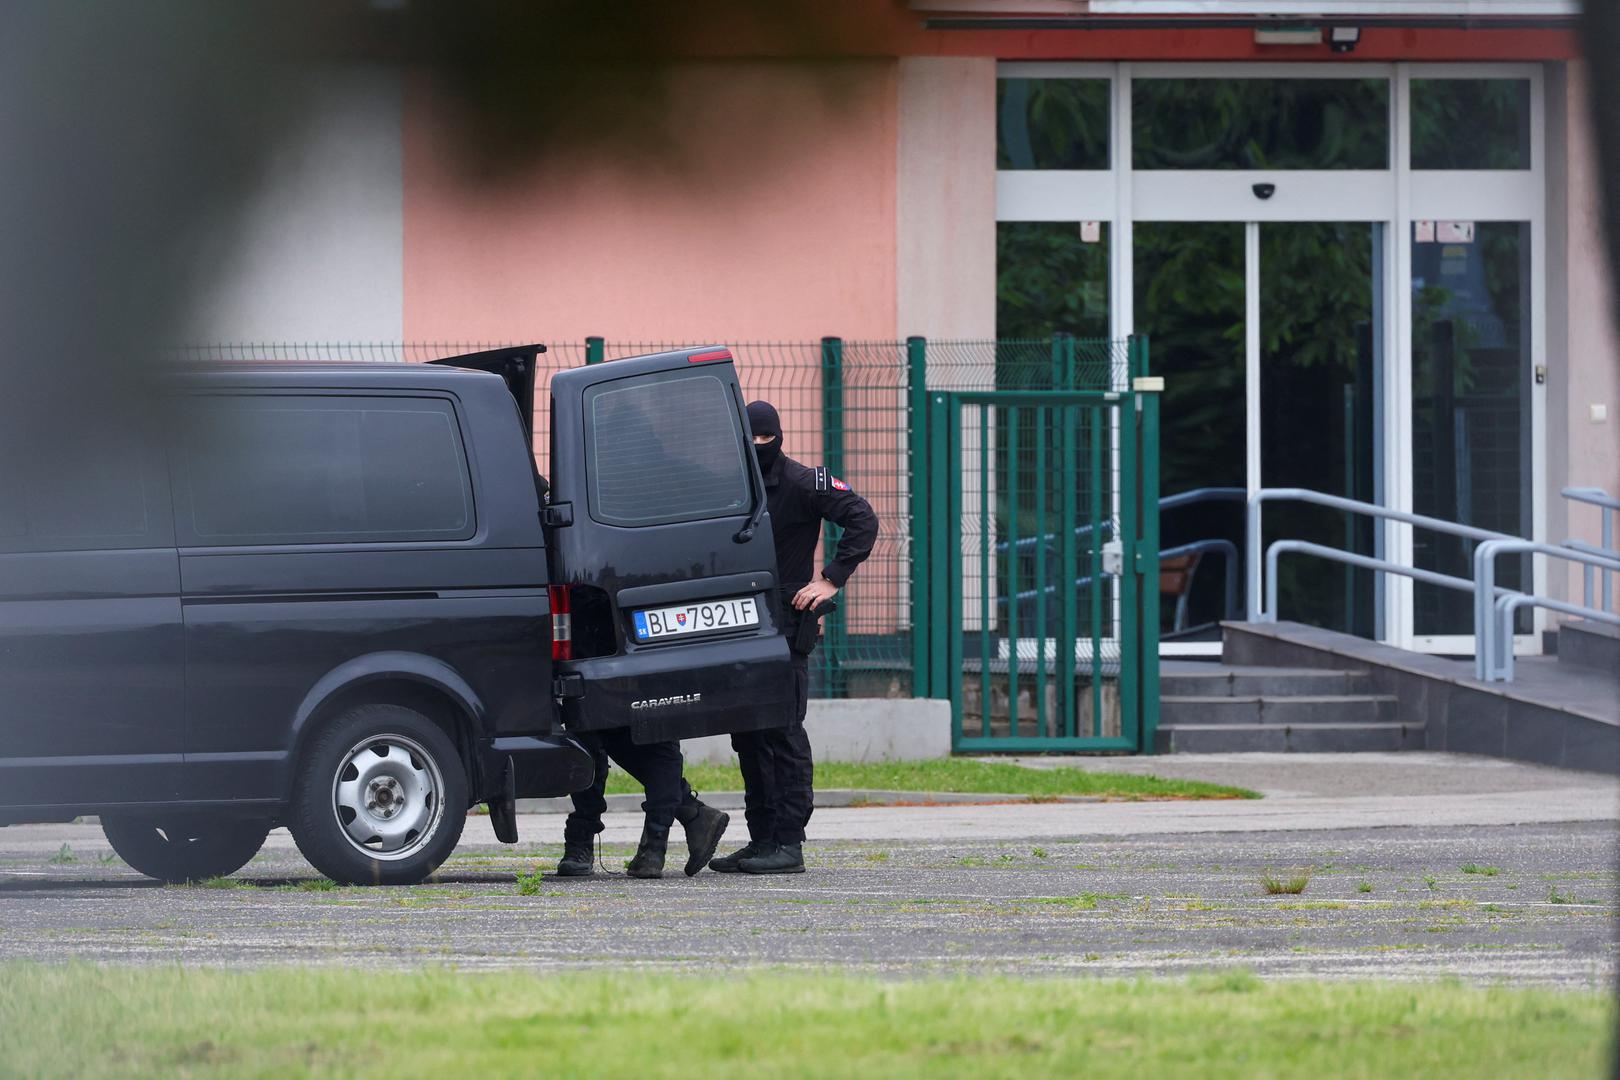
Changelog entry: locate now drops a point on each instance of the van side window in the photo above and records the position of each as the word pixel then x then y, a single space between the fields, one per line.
pixel 663 448
pixel 277 469
pixel 78 490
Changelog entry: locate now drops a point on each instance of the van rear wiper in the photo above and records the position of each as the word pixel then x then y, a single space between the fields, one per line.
pixel 746 533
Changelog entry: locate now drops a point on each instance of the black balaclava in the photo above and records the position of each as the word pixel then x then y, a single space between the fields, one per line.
pixel 763 419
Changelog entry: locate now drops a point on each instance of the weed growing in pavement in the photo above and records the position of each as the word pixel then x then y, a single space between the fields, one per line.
pixel 1556 897
pixel 876 856
pixel 1365 886
pixel 107 859
pixel 531 884
pixel 1039 853
pixel 1430 880
pixel 1475 868
pixel 1083 902
pixel 319 884
pixel 63 856
pixel 1292 886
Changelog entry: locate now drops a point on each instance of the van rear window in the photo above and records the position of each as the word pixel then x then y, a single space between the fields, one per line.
pixel 323 469
pixel 663 448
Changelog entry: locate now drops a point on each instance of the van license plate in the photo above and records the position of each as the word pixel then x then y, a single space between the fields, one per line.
pixel 654 624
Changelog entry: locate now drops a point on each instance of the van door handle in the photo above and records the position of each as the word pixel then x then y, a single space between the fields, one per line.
pixel 557 515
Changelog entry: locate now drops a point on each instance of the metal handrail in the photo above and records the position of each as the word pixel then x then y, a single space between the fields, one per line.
pixel 1169 502
pixel 1603 501
pixel 1279 548
pixel 1487 662
pixel 1338 502
pixel 1225 548
pixel 1506 606
pixel 1198 495
pixel 1494 606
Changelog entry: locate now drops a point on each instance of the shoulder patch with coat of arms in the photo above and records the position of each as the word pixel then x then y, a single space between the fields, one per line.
pixel 826 481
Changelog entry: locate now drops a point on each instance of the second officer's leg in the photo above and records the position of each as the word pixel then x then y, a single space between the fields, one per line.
pixel 756 760
pixel 793 788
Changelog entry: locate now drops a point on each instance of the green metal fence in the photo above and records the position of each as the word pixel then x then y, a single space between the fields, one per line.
pixel 863 409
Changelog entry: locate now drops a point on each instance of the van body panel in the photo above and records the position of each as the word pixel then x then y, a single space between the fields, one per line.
pixel 91 652
pixel 272 629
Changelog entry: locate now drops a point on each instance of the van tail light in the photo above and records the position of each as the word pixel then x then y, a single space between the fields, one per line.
pixel 562 622
pixel 711 354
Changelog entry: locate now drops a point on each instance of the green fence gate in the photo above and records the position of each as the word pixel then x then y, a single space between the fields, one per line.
pixel 1045 624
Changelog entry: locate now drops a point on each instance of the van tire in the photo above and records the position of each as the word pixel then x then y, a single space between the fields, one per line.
pixel 184 847
pixel 379 798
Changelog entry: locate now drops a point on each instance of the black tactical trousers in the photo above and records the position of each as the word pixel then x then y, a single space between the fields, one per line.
pixel 778 774
pixel 655 766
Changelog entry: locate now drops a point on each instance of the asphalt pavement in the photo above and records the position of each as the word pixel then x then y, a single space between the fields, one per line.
pixel 1420 867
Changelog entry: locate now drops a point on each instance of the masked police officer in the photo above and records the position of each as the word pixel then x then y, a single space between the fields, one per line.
pixel 776 766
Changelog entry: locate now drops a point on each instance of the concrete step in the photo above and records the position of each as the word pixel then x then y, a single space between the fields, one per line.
pixel 1552 713
pixel 1299 738
pixel 1190 679
pixel 1588 644
pixel 1273 711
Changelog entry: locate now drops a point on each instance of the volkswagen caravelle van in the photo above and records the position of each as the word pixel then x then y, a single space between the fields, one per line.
pixel 340 598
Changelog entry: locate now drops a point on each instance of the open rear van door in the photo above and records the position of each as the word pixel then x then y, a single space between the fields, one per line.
pixel 516 365
pixel 665 612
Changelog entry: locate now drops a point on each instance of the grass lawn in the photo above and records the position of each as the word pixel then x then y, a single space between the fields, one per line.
pixel 80 1020
pixel 964 774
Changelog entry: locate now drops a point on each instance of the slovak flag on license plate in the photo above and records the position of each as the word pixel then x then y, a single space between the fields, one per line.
pixel 681 618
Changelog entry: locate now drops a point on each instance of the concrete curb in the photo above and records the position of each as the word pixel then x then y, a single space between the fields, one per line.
pixel 733 800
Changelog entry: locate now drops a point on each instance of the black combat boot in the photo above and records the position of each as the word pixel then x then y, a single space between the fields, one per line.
pixel 727 864
pixel 579 852
pixel 775 859
pixel 649 858
pixel 704 826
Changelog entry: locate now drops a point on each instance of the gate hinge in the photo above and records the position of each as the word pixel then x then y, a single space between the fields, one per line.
pixel 568 686
pixel 557 515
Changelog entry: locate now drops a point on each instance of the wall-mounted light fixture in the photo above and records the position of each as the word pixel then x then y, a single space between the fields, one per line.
pixel 1344 38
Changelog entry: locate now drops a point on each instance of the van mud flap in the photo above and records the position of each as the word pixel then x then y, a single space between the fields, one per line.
pixel 670 699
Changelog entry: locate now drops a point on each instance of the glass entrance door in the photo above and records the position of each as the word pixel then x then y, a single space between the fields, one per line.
pixel 1269 336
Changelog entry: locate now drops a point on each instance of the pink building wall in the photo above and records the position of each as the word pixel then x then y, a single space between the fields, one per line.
pixel 799 244
pixel 1590 448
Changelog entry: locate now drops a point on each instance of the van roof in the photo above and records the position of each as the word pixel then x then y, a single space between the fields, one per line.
pixel 317 373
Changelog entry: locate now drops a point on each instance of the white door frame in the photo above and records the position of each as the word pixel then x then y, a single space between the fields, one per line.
pixel 1394 196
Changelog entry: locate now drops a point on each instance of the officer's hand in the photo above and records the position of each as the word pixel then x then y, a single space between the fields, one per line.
pixel 814 593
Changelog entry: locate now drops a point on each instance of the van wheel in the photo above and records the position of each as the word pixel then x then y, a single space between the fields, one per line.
pixel 185 847
pixel 380 797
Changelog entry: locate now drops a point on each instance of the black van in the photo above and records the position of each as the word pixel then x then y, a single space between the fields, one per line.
pixel 336 597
